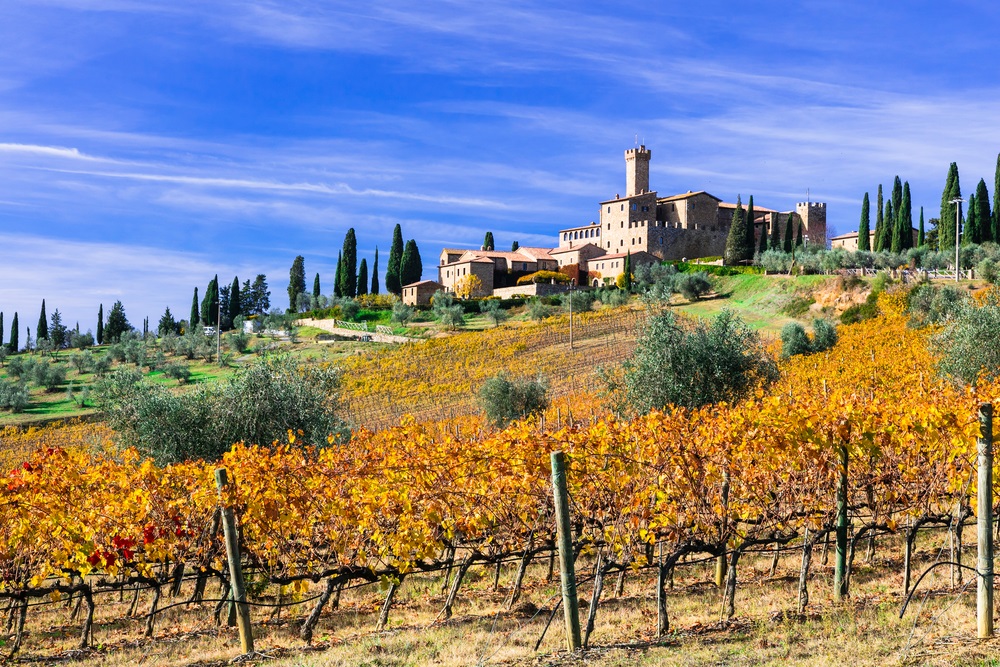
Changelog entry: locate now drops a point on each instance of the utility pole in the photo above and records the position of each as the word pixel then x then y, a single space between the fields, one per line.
pixel 957 201
pixel 572 283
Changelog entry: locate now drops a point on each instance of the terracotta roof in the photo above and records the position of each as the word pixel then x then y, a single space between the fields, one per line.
pixel 423 282
pixel 559 251
pixel 620 198
pixel 535 253
pixel 686 195
pixel 638 253
pixel 848 235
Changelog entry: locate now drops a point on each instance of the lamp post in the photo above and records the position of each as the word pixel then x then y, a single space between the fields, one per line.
pixel 957 201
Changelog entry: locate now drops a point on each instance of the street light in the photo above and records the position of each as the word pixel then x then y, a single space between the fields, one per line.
pixel 958 215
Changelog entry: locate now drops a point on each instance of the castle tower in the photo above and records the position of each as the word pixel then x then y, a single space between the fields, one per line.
pixel 637 171
pixel 813 216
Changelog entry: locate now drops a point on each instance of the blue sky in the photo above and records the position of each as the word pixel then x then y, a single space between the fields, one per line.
pixel 146 146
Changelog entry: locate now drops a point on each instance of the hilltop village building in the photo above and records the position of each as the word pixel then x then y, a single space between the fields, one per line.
pixel 642 224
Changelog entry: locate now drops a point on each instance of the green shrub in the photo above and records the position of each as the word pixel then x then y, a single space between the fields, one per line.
pixel 504 400
pixel 581 300
pixel 693 285
pixel 49 375
pixel 794 340
pixel 969 344
pixel 259 403
pixel 14 396
pixel 690 365
pixel 537 310
pixel 988 271
pixel 493 311
pixel 238 341
pixel 824 335
pixel 930 304
pixel 177 371
pixel 401 313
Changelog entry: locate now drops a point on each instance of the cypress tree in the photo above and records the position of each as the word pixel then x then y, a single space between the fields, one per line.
pixel 14 334
pixel 921 239
pixel 514 246
pixel 864 235
pixel 296 282
pixel 411 268
pixel 750 238
pixel 488 242
pixel 375 273
pixel 879 220
pixel 902 236
pixel 883 243
pixel 996 202
pixel 117 322
pixel 970 230
pixel 316 291
pixel 235 300
pixel 735 252
pixel 1 328
pixel 774 243
pixel 983 215
pixel 907 216
pixel 194 319
pixel 392 279
pixel 350 272
pixel 946 224
pixel 100 318
pixel 338 280
pixel 210 303
pixel 897 196
pixel 762 246
pixel 789 231
pixel 363 277
pixel 627 282
pixel 42 330
pixel 798 238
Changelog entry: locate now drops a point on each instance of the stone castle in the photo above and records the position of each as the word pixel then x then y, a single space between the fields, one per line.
pixel 641 224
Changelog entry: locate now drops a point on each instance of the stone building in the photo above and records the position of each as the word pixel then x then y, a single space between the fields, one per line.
pixel 420 293
pixel 687 225
pixel 849 241
pixel 641 224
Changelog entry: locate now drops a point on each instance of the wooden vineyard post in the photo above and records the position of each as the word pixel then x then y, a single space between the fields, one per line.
pixel 840 571
pixel 566 557
pixel 235 569
pixel 984 568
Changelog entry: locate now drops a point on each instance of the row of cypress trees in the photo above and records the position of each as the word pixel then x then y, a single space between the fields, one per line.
pixel 893 221
pixel 742 243
pixel 894 217
pixel 352 278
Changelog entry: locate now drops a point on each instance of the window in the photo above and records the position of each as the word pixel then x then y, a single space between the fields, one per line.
pixel 609 209
pixel 640 240
pixel 635 207
pixel 597 232
pixel 609 226
pixel 623 207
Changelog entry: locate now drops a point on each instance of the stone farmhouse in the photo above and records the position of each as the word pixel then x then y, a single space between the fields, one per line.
pixel 642 224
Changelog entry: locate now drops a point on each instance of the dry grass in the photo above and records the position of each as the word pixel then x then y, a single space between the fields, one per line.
pixel 766 631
